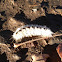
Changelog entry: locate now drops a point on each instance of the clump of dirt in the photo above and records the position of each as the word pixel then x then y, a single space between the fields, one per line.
pixel 12 24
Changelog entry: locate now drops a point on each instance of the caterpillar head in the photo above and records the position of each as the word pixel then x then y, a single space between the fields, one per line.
pixel 17 35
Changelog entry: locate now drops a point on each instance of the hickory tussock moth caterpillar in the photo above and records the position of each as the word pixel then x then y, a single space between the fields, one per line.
pixel 32 30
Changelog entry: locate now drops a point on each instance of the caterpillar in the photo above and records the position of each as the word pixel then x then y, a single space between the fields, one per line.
pixel 31 30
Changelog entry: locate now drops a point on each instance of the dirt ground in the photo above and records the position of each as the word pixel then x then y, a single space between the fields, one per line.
pixel 17 13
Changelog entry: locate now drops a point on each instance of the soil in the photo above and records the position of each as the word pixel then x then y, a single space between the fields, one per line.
pixel 17 13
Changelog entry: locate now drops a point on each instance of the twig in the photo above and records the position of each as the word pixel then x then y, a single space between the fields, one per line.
pixel 17 45
pixel 57 35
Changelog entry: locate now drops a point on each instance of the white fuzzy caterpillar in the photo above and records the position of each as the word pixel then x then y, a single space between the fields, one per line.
pixel 32 30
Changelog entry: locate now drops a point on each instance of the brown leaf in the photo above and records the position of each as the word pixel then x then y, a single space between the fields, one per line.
pixel 59 50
